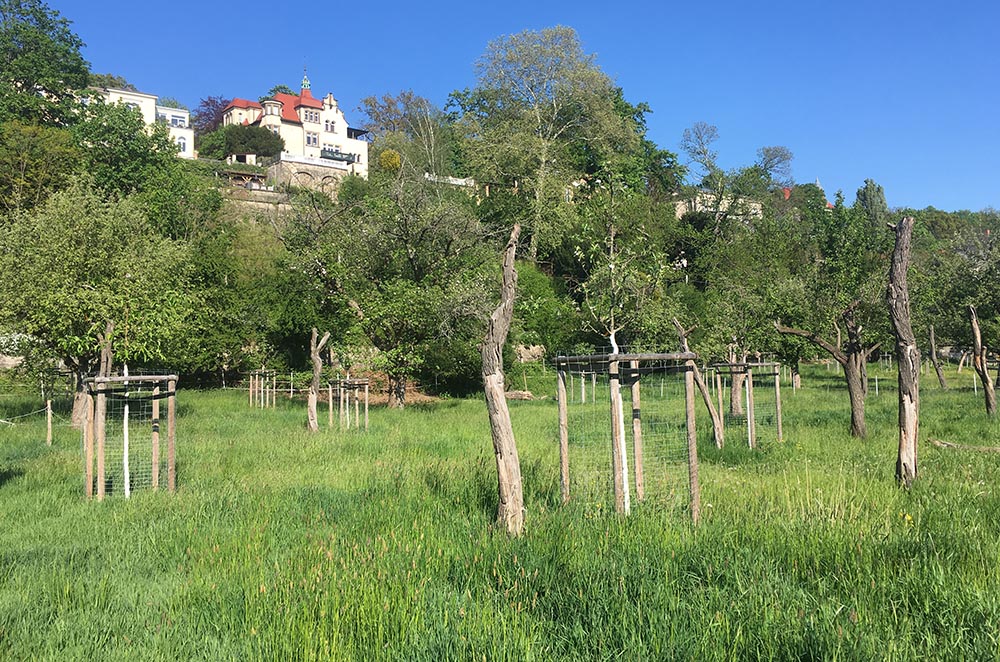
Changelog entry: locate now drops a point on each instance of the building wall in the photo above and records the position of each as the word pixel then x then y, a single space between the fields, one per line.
pixel 177 119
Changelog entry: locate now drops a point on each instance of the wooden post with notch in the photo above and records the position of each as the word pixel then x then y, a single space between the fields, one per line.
pixel 640 483
pixel 694 489
pixel 171 434
pixel 563 434
pixel 155 451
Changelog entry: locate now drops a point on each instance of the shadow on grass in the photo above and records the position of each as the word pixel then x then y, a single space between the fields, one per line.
pixel 9 473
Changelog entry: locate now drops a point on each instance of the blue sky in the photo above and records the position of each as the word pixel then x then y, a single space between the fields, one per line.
pixel 905 93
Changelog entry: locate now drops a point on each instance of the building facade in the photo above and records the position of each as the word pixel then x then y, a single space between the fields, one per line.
pixel 315 131
pixel 177 120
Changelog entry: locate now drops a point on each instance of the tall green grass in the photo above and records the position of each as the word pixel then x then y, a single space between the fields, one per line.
pixel 344 545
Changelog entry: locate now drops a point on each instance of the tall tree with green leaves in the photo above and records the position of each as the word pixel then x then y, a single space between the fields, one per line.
pixel 82 260
pixel 35 160
pixel 41 68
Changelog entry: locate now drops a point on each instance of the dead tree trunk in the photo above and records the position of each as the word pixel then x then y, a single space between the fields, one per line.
pixel 510 509
pixel 716 415
pixel 961 361
pixel 907 354
pixel 397 392
pixel 317 363
pixel 854 362
pixel 936 363
pixel 979 363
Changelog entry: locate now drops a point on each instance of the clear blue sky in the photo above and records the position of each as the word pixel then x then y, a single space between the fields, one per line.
pixel 905 93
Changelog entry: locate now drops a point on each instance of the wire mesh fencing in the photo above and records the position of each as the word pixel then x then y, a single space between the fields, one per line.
pixel 627 431
pixel 122 434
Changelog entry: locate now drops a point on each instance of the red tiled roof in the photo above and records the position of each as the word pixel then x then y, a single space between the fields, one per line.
pixel 242 103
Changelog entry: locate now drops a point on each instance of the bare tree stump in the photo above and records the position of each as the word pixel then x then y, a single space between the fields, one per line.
pixel 907 354
pixel 510 507
pixel 979 363
pixel 317 365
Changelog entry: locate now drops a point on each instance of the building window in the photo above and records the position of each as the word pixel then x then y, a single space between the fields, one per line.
pixel 312 139
pixel 311 116
pixel 331 126
pixel 177 120
pixel 182 143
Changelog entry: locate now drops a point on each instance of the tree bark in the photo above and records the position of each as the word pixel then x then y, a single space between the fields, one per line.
pixel 716 415
pixel 397 392
pixel 854 361
pixel 979 363
pixel 736 386
pixel 796 376
pixel 317 364
pixel 907 354
pixel 510 508
pixel 937 363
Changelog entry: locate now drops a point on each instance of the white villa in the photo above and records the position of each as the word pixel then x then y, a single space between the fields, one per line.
pixel 177 119
pixel 315 131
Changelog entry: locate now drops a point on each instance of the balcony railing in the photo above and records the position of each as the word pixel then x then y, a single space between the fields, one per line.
pixel 337 155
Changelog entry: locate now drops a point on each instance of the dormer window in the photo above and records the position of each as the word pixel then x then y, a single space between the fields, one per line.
pixel 311 116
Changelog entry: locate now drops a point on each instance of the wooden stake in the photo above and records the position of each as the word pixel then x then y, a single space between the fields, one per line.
pixel 329 399
pixel 99 416
pixel 694 490
pixel 156 437
pixel 171 435
pixel 777 404
pixel 357 417
pixel 563 434
pixel 366 406
pixel 619 464
pixel 751 414
pixel 48 421
pixel 640 483
pixel 88 445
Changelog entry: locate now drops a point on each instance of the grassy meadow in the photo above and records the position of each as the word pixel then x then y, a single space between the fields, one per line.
pixel 345 545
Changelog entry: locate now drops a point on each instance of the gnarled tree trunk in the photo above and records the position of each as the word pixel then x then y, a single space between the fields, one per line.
pixel 979 363
pixel 510 509
pixel 796 376
pixel 935 362
pixel 397 391
pixel 853 358
pixel 907 354
pixel 317 364
pixel 736 387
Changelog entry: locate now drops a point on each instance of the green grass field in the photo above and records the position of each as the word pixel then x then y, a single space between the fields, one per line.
pixel 343 545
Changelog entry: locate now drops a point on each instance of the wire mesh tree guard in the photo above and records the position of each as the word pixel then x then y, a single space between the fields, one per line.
pixel 263 388
pixel 122 433
pixel 752 406
pixel 598 394
pixel 350 390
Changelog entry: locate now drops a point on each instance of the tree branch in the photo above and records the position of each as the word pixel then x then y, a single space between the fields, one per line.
pixel 835 352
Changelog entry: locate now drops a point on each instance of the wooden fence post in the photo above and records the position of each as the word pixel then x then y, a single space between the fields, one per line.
pixel 563 434
pixel 751 414
pixel 329 403
pixel 694 489
pixel 777 402
pixel 619 461
pixel 171 435
pixel 88 446
pixel 640 483
pixel 366 405
pixel 156 437
pixel 99 417
pixel 48 421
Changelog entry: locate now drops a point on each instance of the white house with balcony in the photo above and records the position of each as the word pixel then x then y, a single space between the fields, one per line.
pixel 315 131
pixel 177 120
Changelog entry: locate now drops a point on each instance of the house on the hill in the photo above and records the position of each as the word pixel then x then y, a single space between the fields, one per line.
pixel 177 120
pixel 320 148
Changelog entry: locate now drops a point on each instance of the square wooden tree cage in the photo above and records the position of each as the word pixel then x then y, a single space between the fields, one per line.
pixel 607 400
pixel 122 434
